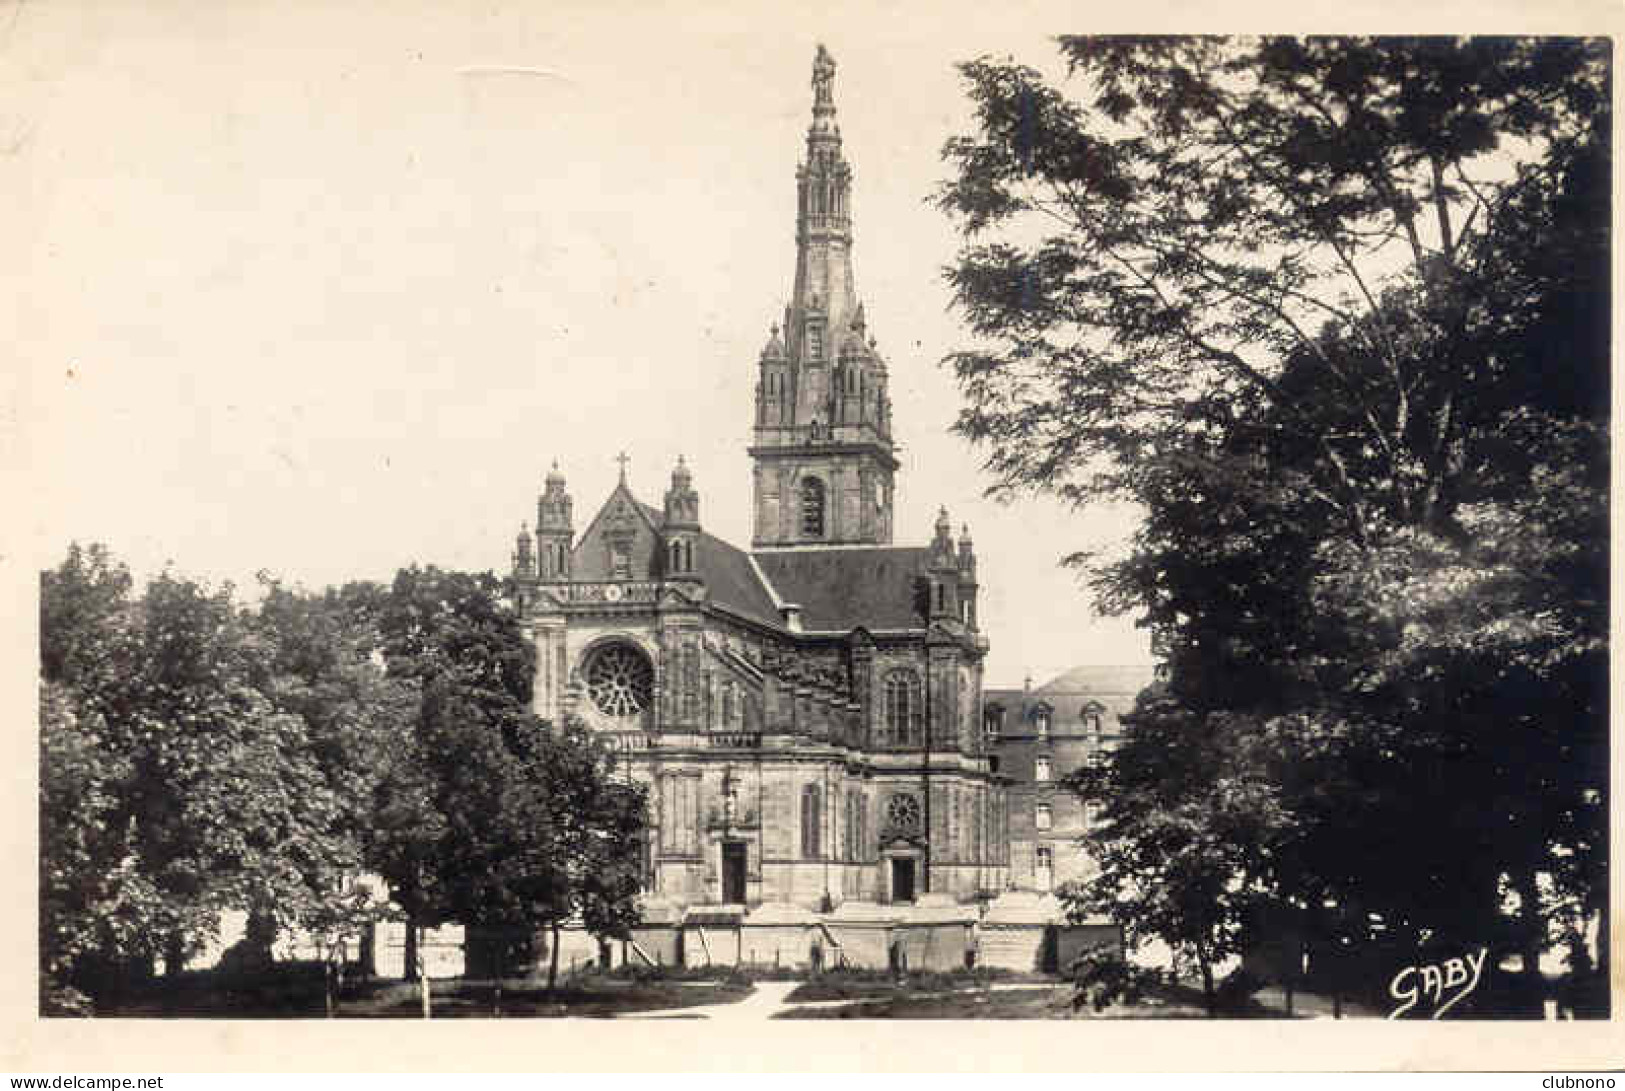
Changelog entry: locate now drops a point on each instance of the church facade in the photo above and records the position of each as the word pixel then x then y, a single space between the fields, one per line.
pixel 805 712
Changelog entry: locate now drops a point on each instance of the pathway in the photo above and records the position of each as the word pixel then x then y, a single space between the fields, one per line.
pixel 764 1002
pixel 770 999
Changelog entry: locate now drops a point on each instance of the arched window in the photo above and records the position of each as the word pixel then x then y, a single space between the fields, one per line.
pixel 812 508
pixel 677 556
pixel 903 708
pixel 811 821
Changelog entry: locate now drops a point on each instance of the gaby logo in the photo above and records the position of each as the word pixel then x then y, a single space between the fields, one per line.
pixel 1433 980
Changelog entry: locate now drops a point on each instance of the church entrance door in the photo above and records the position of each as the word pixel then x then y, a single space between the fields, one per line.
pixel 733 872
pixel 902 879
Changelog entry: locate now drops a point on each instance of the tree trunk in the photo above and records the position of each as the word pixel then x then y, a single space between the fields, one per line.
pixel 1602 941
pixel 327 985
pixel 259 936
pixel 1533 940
pixel 1209 997
pixel 174 956
pixel 409 965
pixel 553 962
pixel 423 984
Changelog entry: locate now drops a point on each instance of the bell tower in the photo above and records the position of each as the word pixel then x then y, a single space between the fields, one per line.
pixel 823 455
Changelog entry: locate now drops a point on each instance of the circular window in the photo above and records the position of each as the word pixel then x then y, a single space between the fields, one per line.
pixel 620 680
pixel 903 812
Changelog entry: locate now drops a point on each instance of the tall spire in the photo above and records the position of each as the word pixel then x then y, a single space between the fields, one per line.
pixel 825 181
pixel 823 449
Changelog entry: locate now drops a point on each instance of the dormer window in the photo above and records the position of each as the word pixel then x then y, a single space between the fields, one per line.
pixel 1041 722
pixel 993 722
pixel 1042 770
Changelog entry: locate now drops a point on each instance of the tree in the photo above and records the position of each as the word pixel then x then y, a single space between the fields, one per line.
pixel 317 657
pixel 598 820
pixel 90 899
pixel 499 821
pixel 1188 822
pixel 1333 312
pixel 196 758
pixel 449 636
pixel 1223 204
pixel 230 807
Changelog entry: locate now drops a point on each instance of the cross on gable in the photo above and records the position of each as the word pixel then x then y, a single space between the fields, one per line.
pixel 623 458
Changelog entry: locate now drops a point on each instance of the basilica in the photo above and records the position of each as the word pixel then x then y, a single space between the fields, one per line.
pixel 806 712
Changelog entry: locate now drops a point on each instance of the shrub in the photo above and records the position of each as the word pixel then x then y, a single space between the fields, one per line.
pixel 1101 977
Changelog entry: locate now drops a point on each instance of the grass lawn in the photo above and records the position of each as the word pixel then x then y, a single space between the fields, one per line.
pixel 973 1000
pixel 878 985
pixel 1038 1002
pixel 597 997
pixel 287 996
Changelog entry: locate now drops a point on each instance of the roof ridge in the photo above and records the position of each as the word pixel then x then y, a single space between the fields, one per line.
pixel 767 584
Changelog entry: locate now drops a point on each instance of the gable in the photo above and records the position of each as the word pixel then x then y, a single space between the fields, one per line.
pixel 624 523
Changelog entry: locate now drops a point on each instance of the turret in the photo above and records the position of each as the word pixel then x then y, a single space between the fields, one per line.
pixel 967 578
pixel 524 561
pixel 942 569
pixel 554 532
pixel 773 385
pixel 681 526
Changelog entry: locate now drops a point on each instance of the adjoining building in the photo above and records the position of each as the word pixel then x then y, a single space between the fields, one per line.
pixel 1036 737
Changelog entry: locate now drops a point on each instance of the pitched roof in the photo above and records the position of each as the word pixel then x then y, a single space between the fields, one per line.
pixel 729 578
pixel 731 581
pixel 839 589
pixel 1118 680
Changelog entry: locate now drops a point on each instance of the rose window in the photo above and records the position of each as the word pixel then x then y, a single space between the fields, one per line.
pixel 620 680
pixel 903 812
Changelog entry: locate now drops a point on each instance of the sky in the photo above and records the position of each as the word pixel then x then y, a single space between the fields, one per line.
pixel 323 291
